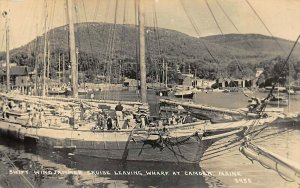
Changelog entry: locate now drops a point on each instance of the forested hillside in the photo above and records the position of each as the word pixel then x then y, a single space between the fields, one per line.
pixel 103 45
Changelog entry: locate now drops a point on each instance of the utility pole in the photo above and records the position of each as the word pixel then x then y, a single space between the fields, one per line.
pixel 5 15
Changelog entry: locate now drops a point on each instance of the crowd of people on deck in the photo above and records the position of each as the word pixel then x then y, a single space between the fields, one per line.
pixel 140 119
pixel 121 119
pixel 116 119
pixel 36 114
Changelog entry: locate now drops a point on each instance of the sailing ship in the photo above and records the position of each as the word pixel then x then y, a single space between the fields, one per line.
pixel 213 114
pixel 61 128
pixel 65 124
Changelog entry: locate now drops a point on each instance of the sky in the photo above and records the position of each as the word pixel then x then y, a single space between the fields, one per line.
pixel 27 18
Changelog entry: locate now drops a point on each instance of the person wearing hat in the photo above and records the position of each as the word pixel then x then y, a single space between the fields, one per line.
pixel 109 123
pixel 188 118
pixel 119 112
pixel 4 109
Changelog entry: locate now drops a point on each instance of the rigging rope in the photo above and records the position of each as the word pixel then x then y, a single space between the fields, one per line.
pixel 215 19
pixel 102 33
pixel 52 14
pixel 222 33
pixel 157 37
pixel 260 19
pixel 158 46
pixel 283 67
pixel 231 21
pixel 112 50
pixel 89 35
pixel 122 41
pixel 26 181
pixel 197 31
pixel 107 57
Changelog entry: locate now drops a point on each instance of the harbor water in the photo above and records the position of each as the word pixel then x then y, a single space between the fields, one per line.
pixel 223 165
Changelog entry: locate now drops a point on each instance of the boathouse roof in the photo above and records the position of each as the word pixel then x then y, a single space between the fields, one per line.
pixel 17 71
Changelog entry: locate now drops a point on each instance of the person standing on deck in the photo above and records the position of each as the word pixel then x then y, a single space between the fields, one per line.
pixel 104 123
pixel 119 113
pixel 188 118
pixel 41 117
pixel 30 119
pixel 4 109
pixel 109 123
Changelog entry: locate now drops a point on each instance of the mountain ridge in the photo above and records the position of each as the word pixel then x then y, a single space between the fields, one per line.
pixel 96 50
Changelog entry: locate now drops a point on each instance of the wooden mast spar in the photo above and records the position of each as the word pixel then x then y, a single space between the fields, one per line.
pixel 5 15
pixel 74 76
pixel 74 79
pixel 45 53
pixel 141 18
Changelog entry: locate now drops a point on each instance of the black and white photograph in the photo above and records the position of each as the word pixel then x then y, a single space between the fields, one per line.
pixel 149 93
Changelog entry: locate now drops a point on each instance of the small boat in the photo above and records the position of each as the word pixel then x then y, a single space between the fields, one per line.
pixel 291 92
pixel 279 89
pixel 162 91
pixel 281 101
pixel 57 91
pixel 184 92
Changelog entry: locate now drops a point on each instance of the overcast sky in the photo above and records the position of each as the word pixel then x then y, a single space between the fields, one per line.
pixel 27 17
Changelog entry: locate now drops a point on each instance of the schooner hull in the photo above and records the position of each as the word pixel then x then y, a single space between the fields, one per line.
pixel 122 145
pixel 184 143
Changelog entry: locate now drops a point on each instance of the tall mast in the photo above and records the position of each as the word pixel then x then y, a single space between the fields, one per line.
pixel 48 60
pixel 36 65
pixel 4 14
pixel 163 70
pixel 59 71
pixel 63 67
pixel 45 53
pixel 166 75
pixel 74 79
pixel 142 52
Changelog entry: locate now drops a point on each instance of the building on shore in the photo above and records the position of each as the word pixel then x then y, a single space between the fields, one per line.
pixel 21 78
pixel 190 80
pixel 128 82
pixel 223 83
